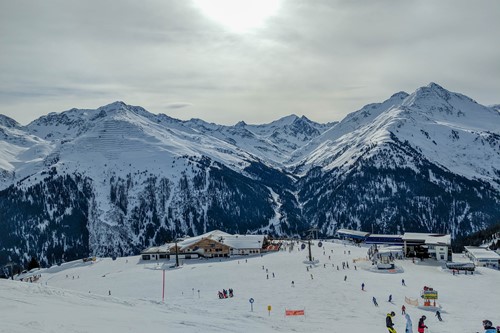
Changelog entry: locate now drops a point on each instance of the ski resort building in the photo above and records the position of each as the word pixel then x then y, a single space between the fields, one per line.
pixel 413 244
pixel 244 244
pixel 481 256
pixel 213 244
pixel 422 245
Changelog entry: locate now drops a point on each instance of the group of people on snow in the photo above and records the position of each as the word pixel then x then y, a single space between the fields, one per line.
pixel 226 293
pixel 409 325
pixel 487 324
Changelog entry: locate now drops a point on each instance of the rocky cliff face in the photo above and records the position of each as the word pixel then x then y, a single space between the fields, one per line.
pixel 115 180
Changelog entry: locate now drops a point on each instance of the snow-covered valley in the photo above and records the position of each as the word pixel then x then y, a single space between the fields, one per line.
pixel 74 297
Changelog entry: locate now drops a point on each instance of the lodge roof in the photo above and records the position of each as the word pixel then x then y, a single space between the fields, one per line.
pixel 482 253
pixel 431 239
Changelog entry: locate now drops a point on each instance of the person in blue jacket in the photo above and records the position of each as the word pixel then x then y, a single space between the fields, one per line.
pixel 488 326
pixel 409 325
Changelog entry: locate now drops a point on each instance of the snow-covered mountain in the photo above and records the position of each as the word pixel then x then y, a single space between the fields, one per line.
pixel 273 142
pixel 119 178
pixel 429 161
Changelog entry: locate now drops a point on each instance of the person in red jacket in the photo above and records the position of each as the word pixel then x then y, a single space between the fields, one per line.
pixel 421 324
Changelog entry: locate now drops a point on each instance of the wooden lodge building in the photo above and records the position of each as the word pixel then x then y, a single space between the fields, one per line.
pixel 213 244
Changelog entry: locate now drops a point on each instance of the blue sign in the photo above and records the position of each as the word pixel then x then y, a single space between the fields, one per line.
pixel 251 300
pixel 303 246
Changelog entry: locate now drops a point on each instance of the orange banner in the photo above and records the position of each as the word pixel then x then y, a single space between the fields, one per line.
pixel 294 313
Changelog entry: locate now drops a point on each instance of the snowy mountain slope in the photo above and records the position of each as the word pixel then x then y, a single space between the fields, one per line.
pixel 495 107
pixel 19 151
pixel 273 142
pixel 74 297
pixel 353 122
pixel 449 129
pixel 429 163
pixel 119 178
pixel 139 180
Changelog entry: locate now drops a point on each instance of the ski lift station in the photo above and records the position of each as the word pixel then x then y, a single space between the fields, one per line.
pixel 414 245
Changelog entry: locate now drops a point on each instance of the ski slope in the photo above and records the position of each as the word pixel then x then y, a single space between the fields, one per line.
pixel 74 297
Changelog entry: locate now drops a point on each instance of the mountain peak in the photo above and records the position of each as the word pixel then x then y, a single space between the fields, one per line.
pixel 120 107
pixel 114 106
pixel 435 86
pixel 400 95
pixel 8 122
pixel 434 89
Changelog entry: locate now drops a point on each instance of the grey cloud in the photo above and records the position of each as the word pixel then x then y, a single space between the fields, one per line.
pixel 178 105
pixel 321 58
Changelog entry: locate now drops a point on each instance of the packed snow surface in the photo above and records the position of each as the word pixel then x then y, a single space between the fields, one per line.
pixel 75 297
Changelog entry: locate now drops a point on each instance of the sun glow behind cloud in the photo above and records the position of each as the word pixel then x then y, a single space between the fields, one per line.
pixel 238 15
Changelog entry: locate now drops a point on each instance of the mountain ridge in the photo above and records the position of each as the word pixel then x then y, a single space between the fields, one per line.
pixel 116 179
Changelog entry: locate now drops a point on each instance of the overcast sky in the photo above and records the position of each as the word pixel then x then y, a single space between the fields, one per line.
pixel 318 58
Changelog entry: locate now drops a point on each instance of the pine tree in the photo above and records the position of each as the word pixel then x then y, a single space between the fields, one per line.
pixel 33 264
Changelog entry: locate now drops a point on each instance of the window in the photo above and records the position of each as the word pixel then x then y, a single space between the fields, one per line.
pixel 163 256
pixel 146 257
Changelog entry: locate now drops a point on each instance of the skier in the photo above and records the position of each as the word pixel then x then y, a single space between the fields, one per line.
pixel 403 310
pixel 409 328
pixel 363 286
pixel 438 315
pixel 390 298
pixel 345 278
pixel 421 325
pixel 403 282
pixel 374 301
pixel 488 326
pixel 389 323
